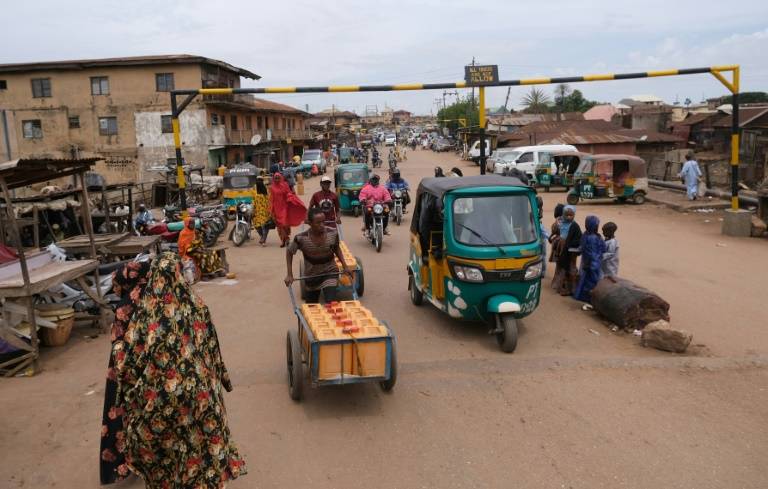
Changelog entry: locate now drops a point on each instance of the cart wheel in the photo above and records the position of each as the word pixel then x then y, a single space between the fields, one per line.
pixel 638 198
pixel 417 296
pixel 356 211
pixel 302 284
pixel 572 199
pixel 508 338
pixel 389 384
pixel 360 277
pixel 295 367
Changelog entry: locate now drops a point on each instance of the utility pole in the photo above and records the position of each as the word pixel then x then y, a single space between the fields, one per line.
pixel 473 88
pixel 506 102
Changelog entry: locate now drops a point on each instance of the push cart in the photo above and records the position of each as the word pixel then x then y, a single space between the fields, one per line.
pixel 339 343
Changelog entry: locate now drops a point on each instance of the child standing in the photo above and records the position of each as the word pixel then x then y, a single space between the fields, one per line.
pixel 610 263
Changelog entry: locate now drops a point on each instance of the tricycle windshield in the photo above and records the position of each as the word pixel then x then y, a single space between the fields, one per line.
pixel 493 220
pixel 585 167
pixel 243 181
pixel 354 177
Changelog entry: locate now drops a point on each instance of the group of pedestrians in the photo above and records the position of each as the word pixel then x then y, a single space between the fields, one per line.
pixel 599 253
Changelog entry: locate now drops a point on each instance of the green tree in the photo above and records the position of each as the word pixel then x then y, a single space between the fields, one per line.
pixel 462 109
pixel 748 98
pixel 572 101
pixel 536 101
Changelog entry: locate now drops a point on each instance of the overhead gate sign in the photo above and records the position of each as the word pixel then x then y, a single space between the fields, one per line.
pixel 479 75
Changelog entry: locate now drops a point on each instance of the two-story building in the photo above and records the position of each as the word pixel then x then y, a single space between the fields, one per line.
pixel 119 109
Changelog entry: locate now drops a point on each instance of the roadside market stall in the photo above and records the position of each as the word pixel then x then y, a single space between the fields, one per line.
pixel 32 273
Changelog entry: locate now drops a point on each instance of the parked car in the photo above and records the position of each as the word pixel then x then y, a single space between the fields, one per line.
pixel 497 156
pixel 474 151
pixel 527 158
pixel 313 157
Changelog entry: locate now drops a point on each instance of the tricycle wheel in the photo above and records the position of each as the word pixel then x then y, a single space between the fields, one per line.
pixel 417 297
pixel 295 367
pixel 572 199
pixel 638 198
pixel 389 384
pixel 360 277
pixel 508 337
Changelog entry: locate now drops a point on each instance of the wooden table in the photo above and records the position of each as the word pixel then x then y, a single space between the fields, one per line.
pixel 44 277
pixel 133 245
pixel 78 245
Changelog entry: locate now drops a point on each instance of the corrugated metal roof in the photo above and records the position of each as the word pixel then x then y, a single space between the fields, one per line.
pixel 694 119
pixel 570 132
pixel 644 136
pixel 746 115
pixel 81 64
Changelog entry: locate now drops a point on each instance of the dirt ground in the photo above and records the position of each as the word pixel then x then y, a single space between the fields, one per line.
pixel 576 406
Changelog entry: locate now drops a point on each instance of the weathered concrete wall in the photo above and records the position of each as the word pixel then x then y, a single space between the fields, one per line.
pixel 154 147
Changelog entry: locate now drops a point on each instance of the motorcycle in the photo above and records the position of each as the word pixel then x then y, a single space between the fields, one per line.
pixel 378 213
pixel 376 159
pixel 398 205
pixel 242 229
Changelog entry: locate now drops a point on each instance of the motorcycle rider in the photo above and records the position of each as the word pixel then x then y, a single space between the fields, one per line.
pixel 396 182
pixel 143 218
pixel 372 193
pixel 327 201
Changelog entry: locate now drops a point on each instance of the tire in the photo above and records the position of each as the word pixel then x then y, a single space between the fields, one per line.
pixel 295 367
pixel 508 339
pixel 398 218
pixel 546 189
pixel 417 296
pixel 239 234
pixel 572 199
pixel 389 384
pixel 638 198
pixel 379 239
pixel 210 238
pixel 360 277
pixel 302 285
pixel 356 211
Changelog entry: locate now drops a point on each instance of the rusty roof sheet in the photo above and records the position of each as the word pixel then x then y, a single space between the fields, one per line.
pixel 645 136
pixel 693 119
pixel 571 132
pixel 27 171
pixel 81 64
pixel 746 115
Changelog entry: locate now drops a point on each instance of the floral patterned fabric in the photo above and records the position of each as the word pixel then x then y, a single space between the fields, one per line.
pixel 207 260
pixel 260 210
pixel 171 380
pixel 128 283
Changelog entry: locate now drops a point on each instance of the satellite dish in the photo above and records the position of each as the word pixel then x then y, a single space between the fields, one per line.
pixel 256 139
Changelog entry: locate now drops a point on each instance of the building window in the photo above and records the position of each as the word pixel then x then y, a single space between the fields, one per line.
pixel 74 122
pixel 99 85
pixel 41 87
pixel 164 82
pixel 32 129
pixel 3 85
pixel 248 123
pixel 233 120
pixel 214 119
pixel 166 123
pixel 107 126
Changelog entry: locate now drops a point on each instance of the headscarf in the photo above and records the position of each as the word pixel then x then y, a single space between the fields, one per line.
pixel 565 225
pixel 128 283
pixel 186 236
pixel 171 378
pixel 591 224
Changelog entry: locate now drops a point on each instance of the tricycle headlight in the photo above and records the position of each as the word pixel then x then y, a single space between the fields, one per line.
pixel 468 274
pixel 534 271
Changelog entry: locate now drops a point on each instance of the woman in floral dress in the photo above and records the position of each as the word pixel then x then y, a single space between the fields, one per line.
pixel 171 380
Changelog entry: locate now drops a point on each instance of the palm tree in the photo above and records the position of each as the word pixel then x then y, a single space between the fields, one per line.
pixel 536 100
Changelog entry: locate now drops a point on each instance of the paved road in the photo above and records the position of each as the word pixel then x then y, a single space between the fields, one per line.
pixel 570 408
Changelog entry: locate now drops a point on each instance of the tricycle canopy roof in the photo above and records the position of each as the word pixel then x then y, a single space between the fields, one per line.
pixel 637 165
pixel 28 171
pixel 246 170
pixel 573 153
pixel 441 185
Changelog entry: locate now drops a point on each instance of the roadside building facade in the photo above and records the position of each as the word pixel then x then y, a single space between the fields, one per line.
pixel 118 109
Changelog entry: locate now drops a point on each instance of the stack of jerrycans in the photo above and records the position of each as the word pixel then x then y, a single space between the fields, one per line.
pixel 350 260
pixel 346 332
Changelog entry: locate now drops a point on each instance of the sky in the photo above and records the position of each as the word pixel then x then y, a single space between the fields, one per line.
pixel 313 43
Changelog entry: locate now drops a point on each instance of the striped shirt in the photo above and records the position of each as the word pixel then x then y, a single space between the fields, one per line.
pixel 318 259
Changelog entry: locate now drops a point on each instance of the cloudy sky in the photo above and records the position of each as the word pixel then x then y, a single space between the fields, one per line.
pixel 299 43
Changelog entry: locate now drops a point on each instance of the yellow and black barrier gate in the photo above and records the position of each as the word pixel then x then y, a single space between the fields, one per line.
pixel 475 76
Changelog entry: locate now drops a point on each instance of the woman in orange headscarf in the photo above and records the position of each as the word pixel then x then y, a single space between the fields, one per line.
pixel 191 247
pixel 186 237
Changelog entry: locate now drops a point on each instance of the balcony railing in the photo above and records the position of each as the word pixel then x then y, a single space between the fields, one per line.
pixel 245 136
